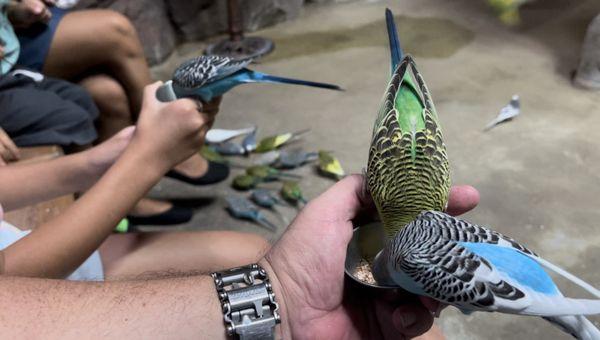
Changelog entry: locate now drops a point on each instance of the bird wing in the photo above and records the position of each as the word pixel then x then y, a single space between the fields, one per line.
pixel 474 268
pixel 458 230
pixel 453 274
pixel 485 277
pixel 206 69
pixel 408 169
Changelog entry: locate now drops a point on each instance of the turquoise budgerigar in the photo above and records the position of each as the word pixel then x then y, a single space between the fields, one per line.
pixel 242 208
pixel 476 269
pixel 206 77
pixel 408 169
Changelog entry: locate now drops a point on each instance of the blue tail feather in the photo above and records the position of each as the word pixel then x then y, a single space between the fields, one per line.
pixel 267 78
pixel 395 48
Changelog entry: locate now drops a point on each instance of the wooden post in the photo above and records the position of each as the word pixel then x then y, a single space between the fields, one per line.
pixel 236 21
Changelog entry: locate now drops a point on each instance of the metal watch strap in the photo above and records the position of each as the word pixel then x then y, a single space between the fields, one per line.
pixel 248 302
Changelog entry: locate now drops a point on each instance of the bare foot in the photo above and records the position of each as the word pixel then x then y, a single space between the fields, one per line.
pixel 148 207
pixel 195 166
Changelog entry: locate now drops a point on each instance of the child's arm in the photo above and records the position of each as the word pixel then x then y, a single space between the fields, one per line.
pixel 31 183
pixel 166 134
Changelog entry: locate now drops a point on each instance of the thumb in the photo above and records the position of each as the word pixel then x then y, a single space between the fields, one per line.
pixel 149 98
pixel 341 202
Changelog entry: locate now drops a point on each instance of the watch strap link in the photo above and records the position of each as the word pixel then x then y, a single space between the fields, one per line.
pixel 248 302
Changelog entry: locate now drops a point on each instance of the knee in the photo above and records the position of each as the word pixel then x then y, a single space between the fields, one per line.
pixel 119 24
pixel 122 35
pixel 82 97
pixel 108 93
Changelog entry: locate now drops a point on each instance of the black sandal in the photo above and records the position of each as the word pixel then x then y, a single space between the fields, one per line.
pixel 175 215
pixel 216 172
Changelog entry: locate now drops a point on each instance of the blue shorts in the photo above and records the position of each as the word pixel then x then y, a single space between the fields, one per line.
pixel 35 41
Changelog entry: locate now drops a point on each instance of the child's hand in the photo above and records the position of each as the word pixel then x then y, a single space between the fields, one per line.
pixel 24 13
pixel 8 150
pixel 169 133
pixel 103 156
pixel 211 109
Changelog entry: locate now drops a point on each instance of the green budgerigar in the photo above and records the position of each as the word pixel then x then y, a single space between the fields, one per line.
pixel 508 10
pixel 266 173
pixel 273 142
pixel 330 165
pixel 408 169
pixel 291 192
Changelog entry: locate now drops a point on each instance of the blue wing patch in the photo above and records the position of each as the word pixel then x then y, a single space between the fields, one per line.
pixel 515 265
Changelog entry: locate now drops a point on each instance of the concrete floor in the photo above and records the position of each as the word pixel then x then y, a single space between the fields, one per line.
pixel 538 175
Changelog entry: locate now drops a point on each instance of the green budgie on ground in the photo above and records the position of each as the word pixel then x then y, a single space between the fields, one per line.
pixel 508 10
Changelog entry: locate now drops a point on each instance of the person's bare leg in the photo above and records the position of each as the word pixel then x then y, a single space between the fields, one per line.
pixel 106 40
pixel 194 166
pixel 205 251
pixel 149 207
pixel 111 99
pixel 103 40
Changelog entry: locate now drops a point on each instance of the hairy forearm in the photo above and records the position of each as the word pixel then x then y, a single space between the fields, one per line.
pixel 179 308
pixel 54 249
pixel 31 183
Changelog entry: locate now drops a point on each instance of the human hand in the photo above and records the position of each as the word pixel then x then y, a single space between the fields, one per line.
pixel 103 156
pixel 168 133
pixel 8 150
pixel 24 13
pixel 307 270
pixel 211 108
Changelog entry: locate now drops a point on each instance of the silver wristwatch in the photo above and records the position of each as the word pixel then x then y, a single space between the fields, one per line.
pixel 249 308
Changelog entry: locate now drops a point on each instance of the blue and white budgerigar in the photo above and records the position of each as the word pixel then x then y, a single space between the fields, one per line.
pixel 206 77
pixel 476 269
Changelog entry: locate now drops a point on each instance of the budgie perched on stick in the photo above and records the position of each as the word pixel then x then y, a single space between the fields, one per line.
pixel 408 169
pixel 477 269
pixel 206 77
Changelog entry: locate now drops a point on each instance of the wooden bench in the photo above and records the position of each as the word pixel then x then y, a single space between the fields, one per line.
pixel 32 216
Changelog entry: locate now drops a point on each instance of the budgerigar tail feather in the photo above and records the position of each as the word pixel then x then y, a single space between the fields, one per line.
pixel 281 215
pixel 288 175
pixel 261 77
pixel 395 48
pixel 578 326
pixel 560 306
pixel 588 287
pixel 266 223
